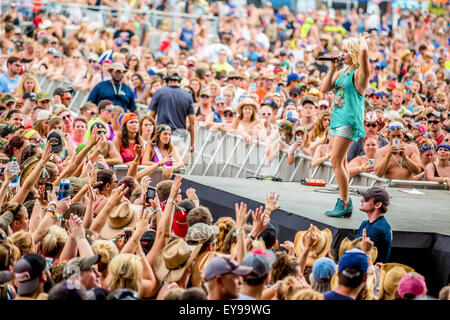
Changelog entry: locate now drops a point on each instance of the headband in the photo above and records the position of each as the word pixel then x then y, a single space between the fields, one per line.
pixel 427 147
pixel 370 136
pixel 443 146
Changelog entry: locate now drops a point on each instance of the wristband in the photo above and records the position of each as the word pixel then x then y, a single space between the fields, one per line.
pixel 238 231
pixel 141 255
pixel 292 153
pixel 250 237
pixel 41 165
pixel 78 239
pixel 171 200
pixel 49 213
pixel 196 202
pixel 360 169
pixel 52 203
pixel 100 149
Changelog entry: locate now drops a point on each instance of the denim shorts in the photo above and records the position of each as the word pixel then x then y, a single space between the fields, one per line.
pixel 344 131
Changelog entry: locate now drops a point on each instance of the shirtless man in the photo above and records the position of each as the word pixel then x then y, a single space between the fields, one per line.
pixel 392 162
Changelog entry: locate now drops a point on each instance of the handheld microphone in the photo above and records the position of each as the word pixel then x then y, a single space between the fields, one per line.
pixel 329 59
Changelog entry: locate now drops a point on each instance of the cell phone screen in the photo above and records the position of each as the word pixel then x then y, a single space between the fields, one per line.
pixel 150 194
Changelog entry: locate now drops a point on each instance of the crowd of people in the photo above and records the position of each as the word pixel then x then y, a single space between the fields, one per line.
pixel 71 230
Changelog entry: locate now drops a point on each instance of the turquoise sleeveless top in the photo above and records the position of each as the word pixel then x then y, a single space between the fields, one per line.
pixel 348 106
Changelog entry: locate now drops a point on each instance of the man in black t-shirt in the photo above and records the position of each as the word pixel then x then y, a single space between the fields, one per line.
pixel 171 105
pixel 125 32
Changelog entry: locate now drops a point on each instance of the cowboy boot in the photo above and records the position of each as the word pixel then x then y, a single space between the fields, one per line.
pixel 340 210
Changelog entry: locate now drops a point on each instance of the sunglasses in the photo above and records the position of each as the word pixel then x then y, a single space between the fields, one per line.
pixel 234 78
pixel 228 114
pixel 91 61
pixel 366 199
pixel 118 71
pixel 293 95
pixel 434 101
pixel 66 98
pixel 37 140
pixel 433 121
pixel 422 119
pixel 53 141
pixel 220 104
pixel 204 96
pixel 66 117
pixel 373 125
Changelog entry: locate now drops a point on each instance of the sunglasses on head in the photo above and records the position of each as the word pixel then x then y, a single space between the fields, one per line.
pixel 373 125
pixel 53 141
pixel 164 128
pixel 433 121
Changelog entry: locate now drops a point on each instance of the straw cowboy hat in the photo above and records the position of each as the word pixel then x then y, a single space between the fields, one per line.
pixel 199 266
pixel 320 247
pixel 347 244
pixel 245 102
pixel 391 274
pixel 418 110
pixel 174 259
pixel 117 66
pixel 121 216
pixel 27 167
pixel 368 292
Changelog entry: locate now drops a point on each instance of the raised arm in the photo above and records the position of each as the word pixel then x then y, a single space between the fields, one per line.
pixel 362 74
pixel 33 177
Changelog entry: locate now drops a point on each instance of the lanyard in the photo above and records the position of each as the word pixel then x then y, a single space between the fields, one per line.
pixel 114 87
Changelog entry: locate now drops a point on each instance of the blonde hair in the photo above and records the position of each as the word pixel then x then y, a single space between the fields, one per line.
pixel 307 294
pixel 352 46
pixel 9 254
pixel 107 250
pixel 126 272
pixel 24 241
pixel 288 287
pixel 54 241
pixel 20 87
pixel 226 226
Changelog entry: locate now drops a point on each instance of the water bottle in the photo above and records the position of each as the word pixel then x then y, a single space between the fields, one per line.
pixel 14 169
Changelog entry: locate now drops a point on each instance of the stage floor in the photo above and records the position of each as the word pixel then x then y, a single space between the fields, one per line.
pixel 428 212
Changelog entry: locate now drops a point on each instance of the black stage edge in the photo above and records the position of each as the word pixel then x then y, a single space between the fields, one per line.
pixel 427 253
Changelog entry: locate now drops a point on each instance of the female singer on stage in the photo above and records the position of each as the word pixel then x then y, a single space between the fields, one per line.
pixel 347 119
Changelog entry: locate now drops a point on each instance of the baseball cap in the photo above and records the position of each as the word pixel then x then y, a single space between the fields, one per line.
pixel 218 266
pixel 309 99
pixel 412 284
pixel 80 264
pixel 260 261
pixel 269 102
pixel 371 116
pixel 354 259
pixel 30 95
pixel 324 102
pixel 7 98
pixel 323 268
pixel 55 140
pixel 437 114
pixel 219 98
pixel 43 96
pixel 58 54
pixel 292 77
pixel 290 101
pixel 295 90
pixel 380 194
pixel 43 115
pixel 201 232
pixel 270 234
pixel 28 270
pixel 180 227
pixel 8 129
pixel 292 115
pixel 147 240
